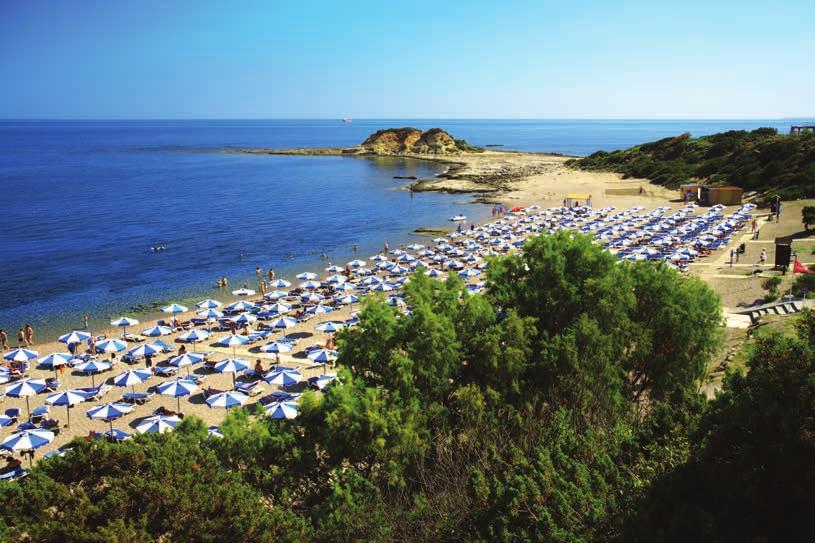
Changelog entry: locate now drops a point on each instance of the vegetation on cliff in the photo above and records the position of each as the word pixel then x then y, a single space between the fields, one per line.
pixel 400 141
pixel 760 160
pixel 562 405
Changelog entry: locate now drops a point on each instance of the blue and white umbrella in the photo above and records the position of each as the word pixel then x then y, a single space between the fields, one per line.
pixel 111 346
pixel 280 283
pixel 116 435
pixel 333 269
pixel 276 347
pixel 240 305
pixel 383 287
pixel 232 340
pixel 276 295
pixel 330 327
pixel 283 322
pixel 208 304
pixel 158 424
pixel 210 314
pixel 347 300
pixel 283 377
pixel 92 367
pixel 336 279
pixel 124 322
pixel 306 276
pixel 157 331
pixel 194 336
pixel 357 263
pixel 109 412
pixel 214 432
pixel 310 285
pixel 174 309
pixel 66 398
pixel 25 388
pixel 74 337
pixel 132 378
pixel 243 318
pixel 282 410
pixel 227 399
pixel 322 355
pixel 187 359
pixel 319 309
pixel 21 355
pixel 231 365
pixel 148 349
pixel 344 287
pixel 243 292
pixel 177 388
pixel 278 309
pixel 55 360
pixel 312 297
pixel 27 440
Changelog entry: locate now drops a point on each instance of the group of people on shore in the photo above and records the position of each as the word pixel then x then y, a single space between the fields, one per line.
pixel 25 337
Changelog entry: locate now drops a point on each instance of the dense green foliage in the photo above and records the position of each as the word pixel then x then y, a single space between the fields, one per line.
pixel 760 160
pixel 552 408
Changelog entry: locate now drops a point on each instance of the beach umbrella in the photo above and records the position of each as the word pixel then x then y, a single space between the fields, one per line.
pixel 344 287
pixel 177 388
pixel 319 309
pixel 372 280
pixel 144 350
pixel 93 367
pixel 21 355
pixel 240 305
pixel 157 331
pixel 208 304
pixel 131 378
pixel 123 323
pixel 194 336
pixel 330 327
pixel 157 424
pixel 323 356
pixel 279 283
pixel 333 269
pixel 27 440
pixel 55 360
pixel 209 313
pixel 357 263
pixel 282 410
pixel 25 388
pixel 174 309
pixel 187 359
pixel 214 432
pixel 383 287
pixel 278 309
pixel 283 322
pixel 244 292
pixel 231 365
pixel 311 285
pixel 109 412
pixel 312 298
pixel 243 318
pixel 321 381
pixel 227 399
pixel 306 276
pixel 74 337
pixel 275 294
pixel 347 300
pixel 283 377
pixel 277 347
pixel 233 341
pixel 111 346
pixel 66 398
pixel 336 279
pixel 116 435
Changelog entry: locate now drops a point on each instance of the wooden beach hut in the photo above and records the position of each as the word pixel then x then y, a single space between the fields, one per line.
pixel 577 200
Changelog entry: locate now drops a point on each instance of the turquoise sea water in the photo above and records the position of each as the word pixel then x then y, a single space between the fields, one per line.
pixel 83 201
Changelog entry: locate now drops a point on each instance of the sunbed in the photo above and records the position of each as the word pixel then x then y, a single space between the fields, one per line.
pixel 138 398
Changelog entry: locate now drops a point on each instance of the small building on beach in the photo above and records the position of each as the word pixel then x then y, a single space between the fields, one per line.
pixel 728 196
pixel 689 192
pixel 577 200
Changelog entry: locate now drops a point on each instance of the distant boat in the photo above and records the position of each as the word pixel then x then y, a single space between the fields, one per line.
pixel 458 218
pixel 347 120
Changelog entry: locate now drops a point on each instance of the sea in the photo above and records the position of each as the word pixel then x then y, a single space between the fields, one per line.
pixel 84 202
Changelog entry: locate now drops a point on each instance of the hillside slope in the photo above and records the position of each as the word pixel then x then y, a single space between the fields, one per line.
pixel 760 160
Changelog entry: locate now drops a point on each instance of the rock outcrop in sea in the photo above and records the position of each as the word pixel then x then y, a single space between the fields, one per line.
pixel 407 141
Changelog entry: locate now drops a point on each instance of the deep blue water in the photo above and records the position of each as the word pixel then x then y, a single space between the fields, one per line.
pixel 84 200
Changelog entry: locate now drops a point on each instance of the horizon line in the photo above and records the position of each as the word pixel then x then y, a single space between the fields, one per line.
pixel 397 118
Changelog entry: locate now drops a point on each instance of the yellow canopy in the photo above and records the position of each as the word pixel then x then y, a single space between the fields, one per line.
pixel 578 196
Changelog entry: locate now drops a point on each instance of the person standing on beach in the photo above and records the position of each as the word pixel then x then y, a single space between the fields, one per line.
pixel 21 338
pixel 763 256
pixel 387 247
pixel 270 274
pixel 3 340
pixel 29 335
pixel 263 288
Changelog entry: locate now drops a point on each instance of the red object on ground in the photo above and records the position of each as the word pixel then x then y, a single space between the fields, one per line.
pixel 797 267
pixel 516 209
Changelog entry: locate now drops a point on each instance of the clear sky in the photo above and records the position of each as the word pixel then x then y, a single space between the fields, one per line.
pixel 411 59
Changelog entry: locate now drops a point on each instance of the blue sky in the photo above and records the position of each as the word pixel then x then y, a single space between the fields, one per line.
pixel 413 59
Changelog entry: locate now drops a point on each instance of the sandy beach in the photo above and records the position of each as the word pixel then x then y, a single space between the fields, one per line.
pixel 513 179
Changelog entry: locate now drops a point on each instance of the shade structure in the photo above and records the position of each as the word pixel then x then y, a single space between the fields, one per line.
pixel 383 287
pixel 174 308
pixel 111 346
pixel 194 336
pixel 345 287
pixel 157 331
pixel 158 424
pixel 336 279
pixel 92 367
pixel 243 292
pixel 278 308
pixel 21 355
pixel 109 412
pixel 132 377
pixel 330 327
pixel 177 388
pixel 275 294
pixel 310 285
pixel 283 322
pixel 210 313
pixel 319 309
pixel 74 337
pixel 27 440
pixel 187 359
pixel 232 340
pixel 279 283
pixel 277 347
pixel 231 365
pixel 306 276
pixel 124 322
pixel 240 305
pixel 357 263
pixel 243 318
pixel 282 410
pixel 322 381
pixel 214 432
pixel 116 435
pixel 146 349
pixel 24 389
pixel 55 360
pixel 67 398
pixel 333 269
pixel 208 304
pixel 322 356
pixel 347 300
pixel 312 297
pixel 283 377
pixel 227 399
